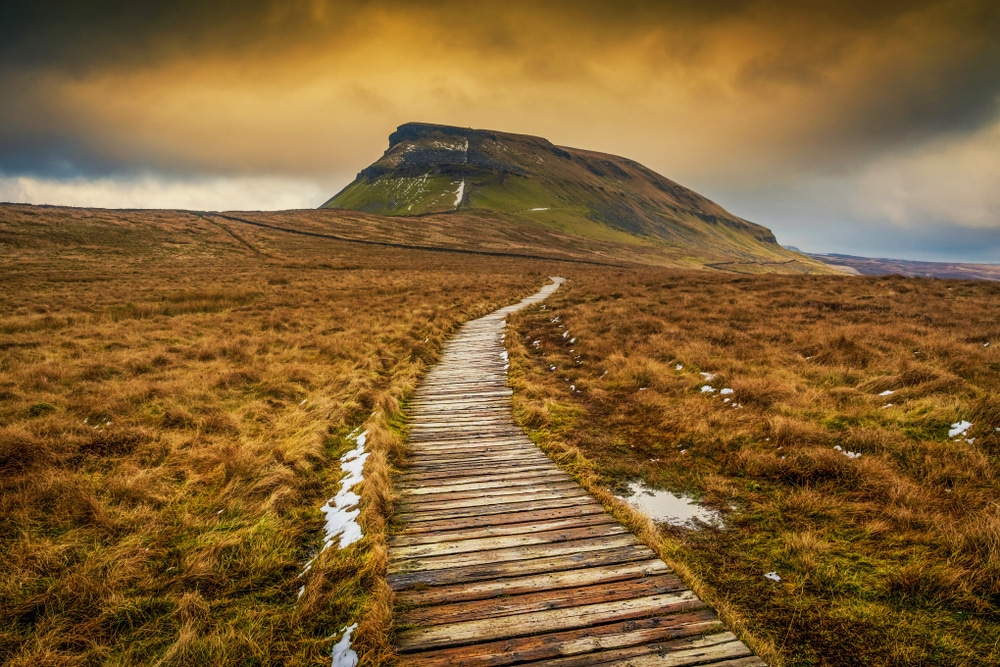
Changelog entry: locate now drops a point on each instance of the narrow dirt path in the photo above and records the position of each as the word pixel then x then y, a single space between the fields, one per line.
pixel 504 559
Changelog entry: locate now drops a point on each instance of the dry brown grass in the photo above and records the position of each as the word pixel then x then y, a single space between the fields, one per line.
pixel 174 397
pixel 889 559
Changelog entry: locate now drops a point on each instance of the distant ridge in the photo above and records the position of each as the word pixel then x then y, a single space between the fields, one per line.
pixel 529 181
pixel 878 266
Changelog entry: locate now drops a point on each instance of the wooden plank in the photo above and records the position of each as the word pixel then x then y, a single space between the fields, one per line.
pixel 408 482
pixel 420 461
pixel 488 571
pixel 413 482
pixel 517 553
pixel 472 463
pixel 479 519
pixel 523 528
pixel 486 496
pixel 541 600
pixel 707 650
pixel 467 632
pixel 496 508
pixel 569 642
pixel 467 444
pixel 494 483
pixel 506 541
pixel 526 584
pixel 417 494
pixel 469 435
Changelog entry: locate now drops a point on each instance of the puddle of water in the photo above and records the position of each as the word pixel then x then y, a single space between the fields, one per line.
pixel 667 507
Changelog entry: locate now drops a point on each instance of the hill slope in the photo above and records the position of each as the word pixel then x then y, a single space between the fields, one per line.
pixel 528 181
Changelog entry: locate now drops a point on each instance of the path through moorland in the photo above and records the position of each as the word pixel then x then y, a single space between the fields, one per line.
pixel 504 559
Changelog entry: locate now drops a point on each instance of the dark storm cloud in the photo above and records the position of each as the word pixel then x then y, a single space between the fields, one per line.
pixel 800 44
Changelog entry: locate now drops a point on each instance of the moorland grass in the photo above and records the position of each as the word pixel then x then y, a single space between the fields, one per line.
pixel 891 558
pixel 174 396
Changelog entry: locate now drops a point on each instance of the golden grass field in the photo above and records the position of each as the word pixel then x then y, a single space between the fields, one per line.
pixel 173 401
pixel 892 558
pixel 176 390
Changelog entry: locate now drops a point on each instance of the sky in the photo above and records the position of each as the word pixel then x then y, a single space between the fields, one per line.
pixel 855 126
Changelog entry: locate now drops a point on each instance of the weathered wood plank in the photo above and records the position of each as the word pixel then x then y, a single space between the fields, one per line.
pixel 446 536
pixel 555 580
pixel 517 553
pixel 520 625
pixel 532 513
pixel 504 507
pixel 473 573
pixel 511 471
pixel 488 495
pixel 542 600
pixel 466 546
pixel 411 485
pixel 710 649
pixel 569 642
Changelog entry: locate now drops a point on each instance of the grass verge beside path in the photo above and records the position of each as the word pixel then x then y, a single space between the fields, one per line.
pixel 888 558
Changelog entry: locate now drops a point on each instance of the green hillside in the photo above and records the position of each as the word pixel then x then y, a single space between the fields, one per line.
pixel 436 169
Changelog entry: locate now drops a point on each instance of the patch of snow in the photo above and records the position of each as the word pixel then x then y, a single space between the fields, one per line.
pixel 505 356
pixel 726 400
pixel 728 391
pixel 565 334
pixel 887 405
pixel 460 193
pixel 708 376
pixel 773 576
pixel 959 428
pixel 678 367
pixel 572 341
pixel 539 209
pixel 887 392
pixel 343 655
pixel 848 454
pixel 707 390
pixel 342 510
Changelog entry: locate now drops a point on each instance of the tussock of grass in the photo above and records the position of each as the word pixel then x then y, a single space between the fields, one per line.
pixel 887 559
pixel 168 433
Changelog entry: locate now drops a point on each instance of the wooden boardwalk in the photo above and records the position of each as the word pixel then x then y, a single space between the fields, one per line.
pixel 504 559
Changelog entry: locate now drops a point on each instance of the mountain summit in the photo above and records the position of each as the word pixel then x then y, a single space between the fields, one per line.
pixel 438 169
